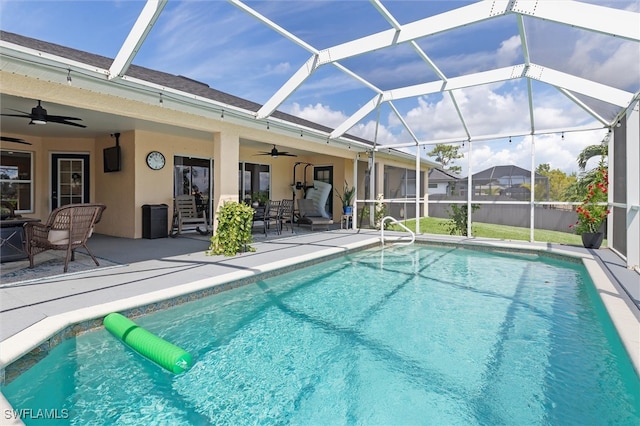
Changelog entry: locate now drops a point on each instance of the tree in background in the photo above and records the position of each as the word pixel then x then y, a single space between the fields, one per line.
pixel 559 183
pixel 446 155
pixel 580 188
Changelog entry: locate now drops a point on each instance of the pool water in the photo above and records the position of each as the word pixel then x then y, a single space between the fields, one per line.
pixel 404 335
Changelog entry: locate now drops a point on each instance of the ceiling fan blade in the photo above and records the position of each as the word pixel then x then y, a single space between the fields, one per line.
pixel 286 154
pixel 24 115
pixel 40 115
pixel 68 123
pixel 15 140
pixel 61 117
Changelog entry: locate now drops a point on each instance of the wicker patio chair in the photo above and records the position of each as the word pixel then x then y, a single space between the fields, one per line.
pixel 67 228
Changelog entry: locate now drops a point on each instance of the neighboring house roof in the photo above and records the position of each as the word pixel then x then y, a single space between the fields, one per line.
pixel 503 173
pixel 175 82
pixel 440 175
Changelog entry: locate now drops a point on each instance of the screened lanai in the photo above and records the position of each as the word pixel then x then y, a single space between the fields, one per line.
pixel 527 84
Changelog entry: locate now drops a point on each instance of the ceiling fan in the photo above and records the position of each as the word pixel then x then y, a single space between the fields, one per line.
pixel 275 153
pixel 39 116
pixel 16 140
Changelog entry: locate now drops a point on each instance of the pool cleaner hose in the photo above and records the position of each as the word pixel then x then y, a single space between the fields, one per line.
pixel 149 345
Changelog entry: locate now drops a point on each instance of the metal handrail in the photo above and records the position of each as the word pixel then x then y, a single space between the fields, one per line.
pixel 394 220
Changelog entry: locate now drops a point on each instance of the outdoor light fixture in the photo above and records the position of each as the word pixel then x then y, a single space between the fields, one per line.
pixel 509 139
pixel 222 114
pixel 160 100
pixel 69 77
pixel 38 115
pixel 562 135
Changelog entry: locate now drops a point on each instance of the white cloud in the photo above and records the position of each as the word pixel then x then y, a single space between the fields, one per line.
pixel 318 113
pixel 324 115
pixel 509 52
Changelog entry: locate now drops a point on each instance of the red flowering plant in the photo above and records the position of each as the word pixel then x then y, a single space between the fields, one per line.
pixel 591 213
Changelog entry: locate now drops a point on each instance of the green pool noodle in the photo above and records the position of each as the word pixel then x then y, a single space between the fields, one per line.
pixel 152 347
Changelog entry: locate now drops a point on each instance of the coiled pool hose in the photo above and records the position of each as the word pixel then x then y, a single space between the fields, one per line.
pixel 156 349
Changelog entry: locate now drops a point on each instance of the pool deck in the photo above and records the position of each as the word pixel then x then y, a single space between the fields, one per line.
pixel 142 272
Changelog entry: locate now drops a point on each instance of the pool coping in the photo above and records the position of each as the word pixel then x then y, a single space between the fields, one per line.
pixel 50 331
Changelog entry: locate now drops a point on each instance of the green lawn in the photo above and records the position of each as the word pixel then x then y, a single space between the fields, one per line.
pixel 433 225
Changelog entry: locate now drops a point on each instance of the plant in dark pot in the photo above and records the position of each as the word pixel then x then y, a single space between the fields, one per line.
pixel 593 211
pixel 347 198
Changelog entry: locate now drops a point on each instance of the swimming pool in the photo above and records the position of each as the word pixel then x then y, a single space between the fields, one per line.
pixel 428 335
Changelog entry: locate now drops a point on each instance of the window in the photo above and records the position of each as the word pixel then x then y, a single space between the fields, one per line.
pixel 254 181
pixel 16 179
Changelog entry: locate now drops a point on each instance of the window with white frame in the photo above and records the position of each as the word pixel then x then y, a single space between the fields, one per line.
pixel 16 179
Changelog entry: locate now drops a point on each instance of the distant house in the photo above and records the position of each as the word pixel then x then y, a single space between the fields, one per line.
pixel 444 182
pixel 510 181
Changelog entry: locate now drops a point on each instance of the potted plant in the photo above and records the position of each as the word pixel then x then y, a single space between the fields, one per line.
pixel 233 234
pixel 260 198
pixel 347 198
pixel 591 213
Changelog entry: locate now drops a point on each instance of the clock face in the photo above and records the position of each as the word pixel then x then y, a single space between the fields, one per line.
pixel 155 160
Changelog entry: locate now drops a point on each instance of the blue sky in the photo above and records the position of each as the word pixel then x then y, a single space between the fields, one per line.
pixel 217 43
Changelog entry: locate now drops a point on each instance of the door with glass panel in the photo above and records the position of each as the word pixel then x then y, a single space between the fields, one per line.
pixel 192 176
pixel 69 179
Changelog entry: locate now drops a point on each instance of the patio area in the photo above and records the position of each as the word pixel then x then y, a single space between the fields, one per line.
pixel 154 269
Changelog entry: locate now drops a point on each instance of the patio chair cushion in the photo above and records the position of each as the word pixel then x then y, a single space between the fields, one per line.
pixel 319 194
pixel 60 237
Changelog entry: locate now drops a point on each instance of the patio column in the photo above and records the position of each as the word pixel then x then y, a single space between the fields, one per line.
pixel 632 187
pixel 226 154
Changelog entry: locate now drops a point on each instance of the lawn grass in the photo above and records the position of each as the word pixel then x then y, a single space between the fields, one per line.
pixel 435 225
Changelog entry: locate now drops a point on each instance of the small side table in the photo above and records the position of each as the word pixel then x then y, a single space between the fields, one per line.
pixel 346 220
pixel 12 244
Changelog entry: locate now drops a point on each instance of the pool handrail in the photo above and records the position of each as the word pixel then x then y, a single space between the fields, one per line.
pixel 395 221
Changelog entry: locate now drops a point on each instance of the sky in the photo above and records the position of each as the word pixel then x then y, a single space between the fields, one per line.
pixel 215 42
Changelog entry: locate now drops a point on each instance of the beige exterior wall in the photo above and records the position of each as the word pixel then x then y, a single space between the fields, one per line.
pixel 176 133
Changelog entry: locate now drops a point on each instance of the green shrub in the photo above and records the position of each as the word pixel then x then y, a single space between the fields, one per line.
pixel 457 224
pixel 233 234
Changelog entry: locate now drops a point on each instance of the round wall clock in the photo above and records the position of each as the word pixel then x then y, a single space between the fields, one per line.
pixel 155 160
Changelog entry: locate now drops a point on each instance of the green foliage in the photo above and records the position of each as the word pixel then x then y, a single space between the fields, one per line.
pixel 457 224
pixel 380 211
pixel 591 215
pixel 446 155
pixel 233 234
pixel 261 197
pixel 347 195
pixel 557 184
pixel 435 225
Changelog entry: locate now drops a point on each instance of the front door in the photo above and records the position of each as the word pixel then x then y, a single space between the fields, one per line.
pixel 325 174
pixel 69 179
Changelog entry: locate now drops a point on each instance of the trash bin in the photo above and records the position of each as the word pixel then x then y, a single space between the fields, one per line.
pixel 155 221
